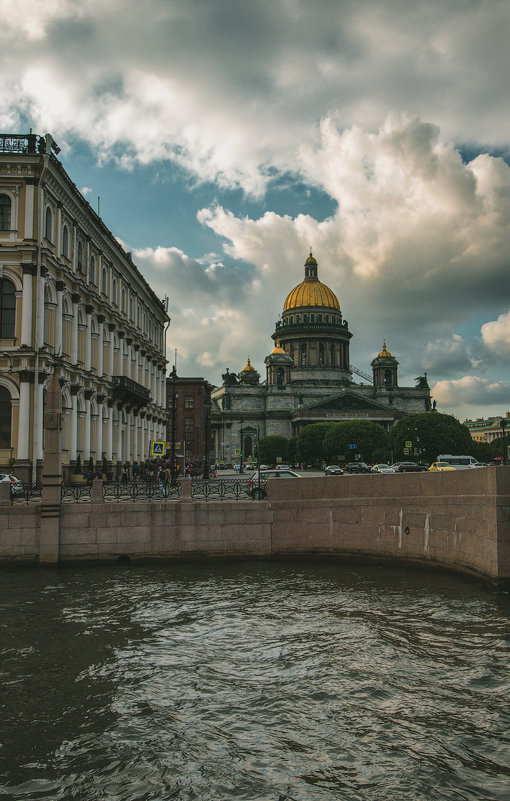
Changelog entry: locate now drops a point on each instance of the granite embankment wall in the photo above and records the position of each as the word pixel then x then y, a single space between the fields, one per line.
pixel 459 520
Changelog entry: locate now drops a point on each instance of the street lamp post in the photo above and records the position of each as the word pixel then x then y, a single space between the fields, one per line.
pixel 173 472
pixel 502 423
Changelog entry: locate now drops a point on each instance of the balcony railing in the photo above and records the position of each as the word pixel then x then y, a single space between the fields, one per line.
pixel 129 391
pixel 30 144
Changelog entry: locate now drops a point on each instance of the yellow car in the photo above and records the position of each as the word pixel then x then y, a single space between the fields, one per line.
pixel 438 467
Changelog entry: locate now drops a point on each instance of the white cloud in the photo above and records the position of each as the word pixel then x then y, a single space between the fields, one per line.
pixel 449 356
pixel 471 390
pixel 496 335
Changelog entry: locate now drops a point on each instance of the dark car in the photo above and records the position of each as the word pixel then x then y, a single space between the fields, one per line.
pixel 409 467
pixel 358 467
pixel 256 489
pixel 333 470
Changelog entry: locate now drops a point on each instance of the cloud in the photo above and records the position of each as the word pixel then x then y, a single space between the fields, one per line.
pixel 496 335
pixel 471 390
pixel 233 92
pixel 453 355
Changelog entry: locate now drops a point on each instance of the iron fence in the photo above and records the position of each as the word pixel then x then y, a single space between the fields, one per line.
pixel 24 493
pixel 75 492
pixel 140 491
pixel 219 489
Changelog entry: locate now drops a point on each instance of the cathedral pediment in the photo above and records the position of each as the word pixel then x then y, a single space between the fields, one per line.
pixel 346 401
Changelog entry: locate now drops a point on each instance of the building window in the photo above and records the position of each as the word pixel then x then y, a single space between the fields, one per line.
pixel 92 270
pixel 123 301
pixel 303 355
pixel 388 378
pixel 292 352
pixel 81 267
pixel 291 320
pixel 332 355
pixel 48 225
pixel 7 308
pixel 321 355
pixel 130 308
pixel 5 418
pixel 65 241
pixel 189 402
pixel 104 282
pixel 5 213
pixel 312 318
pixel 188 429
pixel 280 375
pixel 305 318
pixel 114 291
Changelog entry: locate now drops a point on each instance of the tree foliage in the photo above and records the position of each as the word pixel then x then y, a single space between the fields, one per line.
pixel 369 438
pixel 271 448
pixel 431 434
pixel 310 442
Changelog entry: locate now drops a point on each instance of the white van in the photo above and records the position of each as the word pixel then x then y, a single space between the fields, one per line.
pixel 459 462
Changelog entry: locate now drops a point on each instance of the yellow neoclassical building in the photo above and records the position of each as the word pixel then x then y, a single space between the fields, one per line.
pixel 70 295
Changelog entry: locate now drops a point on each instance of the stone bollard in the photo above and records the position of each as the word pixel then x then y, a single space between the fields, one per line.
pixel 96 493
pixel 186 491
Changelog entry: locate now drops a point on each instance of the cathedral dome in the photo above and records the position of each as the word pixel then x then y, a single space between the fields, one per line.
pixel 311 291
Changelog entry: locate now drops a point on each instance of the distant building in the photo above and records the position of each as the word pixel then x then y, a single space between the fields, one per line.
pixel 71 297
pixel 486 429
pixel 308 378
pixel 191 399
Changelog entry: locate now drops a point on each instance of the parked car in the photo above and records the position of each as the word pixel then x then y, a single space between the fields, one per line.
pixel 258 490
pixel 333 470
pixel 283 467
pixel 16 485
pixel 409 467
pixel 358 467
pixel 439 467
pixel 382 468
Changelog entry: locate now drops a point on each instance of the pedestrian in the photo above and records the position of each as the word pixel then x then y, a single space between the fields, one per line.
pixel 162 478
pixel 124 477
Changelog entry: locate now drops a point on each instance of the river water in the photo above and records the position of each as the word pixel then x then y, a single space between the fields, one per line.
pixel 260 681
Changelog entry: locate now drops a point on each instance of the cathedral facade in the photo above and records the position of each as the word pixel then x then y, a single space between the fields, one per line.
pixel 309 379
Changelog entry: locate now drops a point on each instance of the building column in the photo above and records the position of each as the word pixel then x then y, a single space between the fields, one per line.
pixel 26 378
pixel 87 428
pixel 38 413
pixel 109 443
pixel 111 329
pixel 88 338
pixel 29 207
pixel 127 439
pixel 137 376
pixel 100 346
pixel 40 308
pixel 99 431
pixel 73 434
pixel 29 270
pixel 58 317
pixel 135 436
pixel 121 353
pixel 129 343
pixel 143 448
pixel 74 330
pixel 120 455
pixel 59 229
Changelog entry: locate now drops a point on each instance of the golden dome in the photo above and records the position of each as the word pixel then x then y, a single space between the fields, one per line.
pixel 278 348
pixel 248 367
pixel 385 353
pixel 311 292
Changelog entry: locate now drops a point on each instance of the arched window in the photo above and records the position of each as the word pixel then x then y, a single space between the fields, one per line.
pixel 104 282
pixel 65 241
pixel 123 302
pixel 5 213
pixel 388 378
pixel 5 418
pixel 321 355
pixel 48 225
pixel 130 308
pixel 81 266
pixel 332 355
pixel 280 375
pixel 7 308
pixel 92 270
pixel 114 291
pixel 303 355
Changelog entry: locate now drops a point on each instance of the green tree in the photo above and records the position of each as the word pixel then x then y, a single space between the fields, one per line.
pixel 431 434
pixel 272 447
pixel 310 442
pixel 292 450
pixel 370 439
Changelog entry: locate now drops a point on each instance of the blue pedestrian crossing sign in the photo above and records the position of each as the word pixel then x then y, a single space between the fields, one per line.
pixel 158 449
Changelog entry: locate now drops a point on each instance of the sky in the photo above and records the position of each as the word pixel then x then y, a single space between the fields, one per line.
pixel 224 139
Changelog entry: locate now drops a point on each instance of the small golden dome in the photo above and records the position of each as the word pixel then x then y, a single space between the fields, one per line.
pixel 278 348
pixel 311 292
pixel 248 367
pixel 385 353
